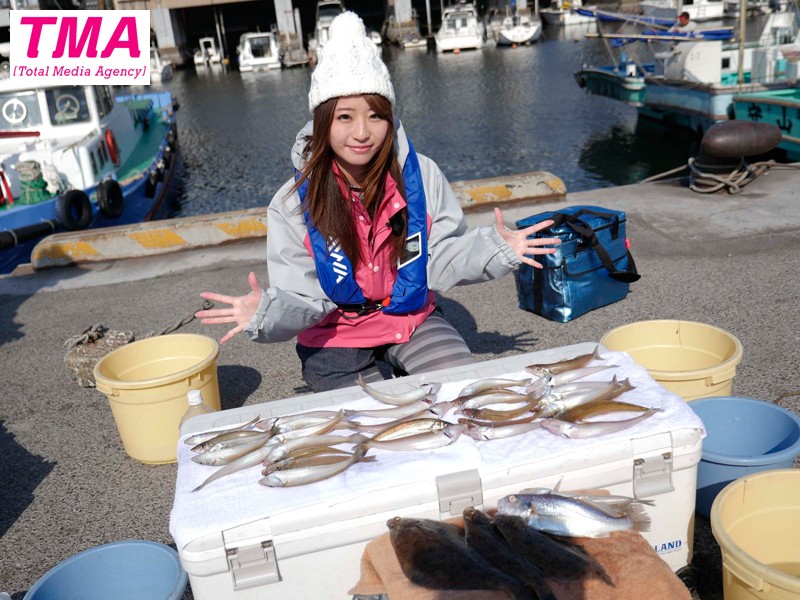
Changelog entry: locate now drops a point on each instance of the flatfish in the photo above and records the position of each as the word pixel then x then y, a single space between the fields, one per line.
pixel 561 561
pixel 435 555
pixel 484 538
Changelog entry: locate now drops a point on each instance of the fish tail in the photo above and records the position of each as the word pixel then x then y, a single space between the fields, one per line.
pixel 596 353
pixel 639 518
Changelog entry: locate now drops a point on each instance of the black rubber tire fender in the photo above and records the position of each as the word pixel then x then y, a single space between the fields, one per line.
pixel 110 199
pixel 74 210
pixel 151 183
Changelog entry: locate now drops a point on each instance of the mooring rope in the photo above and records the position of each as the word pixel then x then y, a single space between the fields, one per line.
pixel 95 332
pixel 707 183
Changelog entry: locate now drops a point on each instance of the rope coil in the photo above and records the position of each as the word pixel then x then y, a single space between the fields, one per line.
pixel 704 182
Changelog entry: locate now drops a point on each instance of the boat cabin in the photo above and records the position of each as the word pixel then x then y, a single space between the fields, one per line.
pixel 75 136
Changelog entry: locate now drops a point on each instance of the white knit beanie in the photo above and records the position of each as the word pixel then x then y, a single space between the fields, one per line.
pixel 349 65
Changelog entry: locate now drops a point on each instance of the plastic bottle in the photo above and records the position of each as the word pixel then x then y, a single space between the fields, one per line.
pixel 196 406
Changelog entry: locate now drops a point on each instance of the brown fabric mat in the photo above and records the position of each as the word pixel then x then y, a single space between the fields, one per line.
pixel 628 559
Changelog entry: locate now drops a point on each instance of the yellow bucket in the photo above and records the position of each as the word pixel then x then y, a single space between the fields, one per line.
pixel 146 383
pixel 756 522
pixel 693 360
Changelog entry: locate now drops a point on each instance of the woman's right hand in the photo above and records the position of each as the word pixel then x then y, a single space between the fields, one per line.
pixel 241 311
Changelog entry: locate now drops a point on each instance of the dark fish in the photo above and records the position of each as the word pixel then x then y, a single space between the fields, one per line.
pixel 484 538
pixel 435 555
pixel 561 561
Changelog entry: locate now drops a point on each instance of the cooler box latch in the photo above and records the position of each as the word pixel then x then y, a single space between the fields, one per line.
pixel 459 490
pixel 652 475
pixel 253 565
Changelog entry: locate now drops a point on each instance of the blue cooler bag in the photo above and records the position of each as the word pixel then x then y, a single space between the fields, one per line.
pixel 591 268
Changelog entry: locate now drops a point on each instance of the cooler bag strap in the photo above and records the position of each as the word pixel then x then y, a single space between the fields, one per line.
pixel 586 231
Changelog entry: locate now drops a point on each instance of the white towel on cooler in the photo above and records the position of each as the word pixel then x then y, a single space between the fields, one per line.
pixel 238 498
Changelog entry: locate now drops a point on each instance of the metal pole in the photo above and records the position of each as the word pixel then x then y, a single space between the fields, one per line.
pixel 428 15
pixel 742 21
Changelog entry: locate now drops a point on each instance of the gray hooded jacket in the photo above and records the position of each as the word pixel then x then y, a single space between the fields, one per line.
pixel 295 300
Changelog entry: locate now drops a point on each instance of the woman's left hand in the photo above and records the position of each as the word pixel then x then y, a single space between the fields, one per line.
pixel 519 242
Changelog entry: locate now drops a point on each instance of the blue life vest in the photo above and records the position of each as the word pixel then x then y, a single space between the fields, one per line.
pixel 410 289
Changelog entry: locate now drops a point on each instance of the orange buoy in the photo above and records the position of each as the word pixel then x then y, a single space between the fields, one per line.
pixel 113 148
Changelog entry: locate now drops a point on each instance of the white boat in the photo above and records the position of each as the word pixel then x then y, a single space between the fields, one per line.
pixel 405 34
pixel 75 157
pixel 755 7
pixel 160 69
pixel 694 83
pixel 518 29
pixel 257 51
pixel 461 29
pixel 207 53
pixel 699 10
pixel 327 11
pixel 565 12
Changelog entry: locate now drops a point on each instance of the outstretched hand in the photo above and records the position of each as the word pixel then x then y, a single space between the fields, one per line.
pixel 521 244
pixel 241 311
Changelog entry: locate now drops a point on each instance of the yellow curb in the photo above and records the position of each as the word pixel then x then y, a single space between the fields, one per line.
pixel 159 237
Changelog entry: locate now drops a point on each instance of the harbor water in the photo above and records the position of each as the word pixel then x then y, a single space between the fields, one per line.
pixel 485 113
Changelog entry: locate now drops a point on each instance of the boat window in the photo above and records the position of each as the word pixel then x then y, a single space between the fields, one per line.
pixel 19 110
pixel 67 105
pixel 94 163
pixel 104 98
pixel 261 47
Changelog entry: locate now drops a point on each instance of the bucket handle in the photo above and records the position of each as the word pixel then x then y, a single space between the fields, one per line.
pixel 745 576
pixel 106 390
pixel 721 377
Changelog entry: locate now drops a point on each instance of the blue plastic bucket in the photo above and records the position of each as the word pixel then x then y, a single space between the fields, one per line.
pixel 744 436
pixel 130 570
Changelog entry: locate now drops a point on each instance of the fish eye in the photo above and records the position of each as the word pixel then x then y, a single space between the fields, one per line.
pixel 512 498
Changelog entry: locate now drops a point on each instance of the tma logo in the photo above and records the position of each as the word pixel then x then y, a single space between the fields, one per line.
pixel 668 547
pixel 84 47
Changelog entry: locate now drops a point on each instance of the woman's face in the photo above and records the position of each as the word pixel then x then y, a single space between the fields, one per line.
pixel 357 134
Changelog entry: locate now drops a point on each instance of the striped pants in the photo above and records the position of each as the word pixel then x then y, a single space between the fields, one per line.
pixel 434 345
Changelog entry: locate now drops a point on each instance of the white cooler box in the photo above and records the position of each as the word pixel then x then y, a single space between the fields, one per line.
pixel 239 540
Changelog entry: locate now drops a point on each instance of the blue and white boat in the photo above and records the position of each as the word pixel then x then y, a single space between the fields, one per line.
pixel 694 83
pixel 77 157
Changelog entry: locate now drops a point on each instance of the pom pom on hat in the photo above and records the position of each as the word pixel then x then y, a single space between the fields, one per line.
pixel 349 65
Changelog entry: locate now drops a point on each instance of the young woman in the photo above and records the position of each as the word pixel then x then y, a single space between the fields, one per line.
pixel 364 235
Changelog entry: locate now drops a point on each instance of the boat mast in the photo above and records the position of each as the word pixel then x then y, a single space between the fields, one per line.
pixel 742 22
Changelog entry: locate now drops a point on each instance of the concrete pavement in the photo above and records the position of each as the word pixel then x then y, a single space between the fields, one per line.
pixel 67 484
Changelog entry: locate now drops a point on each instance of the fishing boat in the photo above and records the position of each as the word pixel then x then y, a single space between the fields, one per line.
pixel 406 33
pixel 77 157
pixel 519 28
pixel 565 12
pixel 207 53
pixel 780 108
pixel 699 10
pixel 623 81
pixel 160 69
pixel 258 51
pixel 327 11
pixel 694 83
pixel 461 29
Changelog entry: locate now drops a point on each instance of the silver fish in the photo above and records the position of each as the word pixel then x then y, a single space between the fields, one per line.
pixel 560 515
pixel 314 460
pixel 567 376
pixel 480 434
pixel 244 462
pixel 393 412
pixel 309 427
pixel 613 504
pixel 428 440
pixel 229 439
pixel 311 474
pixel 492 383
pixel 590 429
pixel 562 366
pixel 283 448
pixel 224 456
pixel 500 397
pixel 491 414
pixel 404 429
pixel 199 438
pixel 482 423
pixel 555 407
pixel 425 390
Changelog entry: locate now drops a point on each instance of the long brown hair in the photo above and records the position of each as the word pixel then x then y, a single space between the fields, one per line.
pixel 328 208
